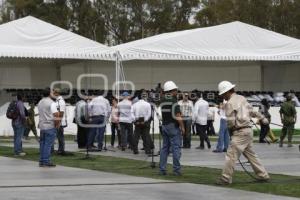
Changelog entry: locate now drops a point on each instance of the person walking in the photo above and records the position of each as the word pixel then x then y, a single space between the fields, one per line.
pixel 172 129
pixel 30 123
pixel 200 115
pixel 288 117
pixel 239 113
pixel 81 119
pixel 186 108
pixel 49 122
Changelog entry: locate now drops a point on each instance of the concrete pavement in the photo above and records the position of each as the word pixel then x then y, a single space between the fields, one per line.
pixel 24 180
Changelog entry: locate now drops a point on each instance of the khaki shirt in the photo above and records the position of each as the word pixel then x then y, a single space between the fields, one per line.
pixel 239 113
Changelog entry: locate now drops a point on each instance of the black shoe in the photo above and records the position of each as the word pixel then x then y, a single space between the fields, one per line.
pixel 200 147
pixel 162 173
pixel 123 149
pixel 177 173
pixel 208 145
pixel 216 151
pixel 136 152
pixel 48 165
pixel 61 153
pixel 225 150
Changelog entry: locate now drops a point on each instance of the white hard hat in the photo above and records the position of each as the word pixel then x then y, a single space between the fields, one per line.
pixel 224 87
pixel 169 85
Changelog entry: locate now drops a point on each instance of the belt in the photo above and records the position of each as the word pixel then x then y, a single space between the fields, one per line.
pixel 94 116
pixel 240 128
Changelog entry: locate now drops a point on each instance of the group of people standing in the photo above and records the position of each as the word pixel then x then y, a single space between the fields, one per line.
pixel 129 121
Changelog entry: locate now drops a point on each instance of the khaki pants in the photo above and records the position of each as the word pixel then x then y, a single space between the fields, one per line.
pixel 241 143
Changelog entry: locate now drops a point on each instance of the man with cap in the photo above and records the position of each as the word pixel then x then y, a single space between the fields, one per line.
pixel 172 129
pixel 239 113
pixel 200 115
pixel 288 117
pixel 186 108
pixel 125 120
pixel 98 111
pixel 142 118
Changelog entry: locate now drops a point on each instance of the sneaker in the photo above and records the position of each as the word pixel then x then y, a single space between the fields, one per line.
pixel 177 174
pixel 162 173
pixel 221 181
pixel 20 154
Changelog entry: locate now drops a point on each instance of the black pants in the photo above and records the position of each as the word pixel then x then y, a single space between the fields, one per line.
pixel 210 127
pixel 114 128
pixel 201 130
pixel 61 140
pixel 264 129
pixel 187 136
pixel 82 134
pixel 127 136
pixel 143 130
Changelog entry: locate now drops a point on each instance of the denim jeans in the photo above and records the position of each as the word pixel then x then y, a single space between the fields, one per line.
pixel 98 130
pixel 223 140
pixel 171 136
pixel 19 130
pixel 47 138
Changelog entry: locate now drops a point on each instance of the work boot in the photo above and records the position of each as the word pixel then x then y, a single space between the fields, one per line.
pixel 222 182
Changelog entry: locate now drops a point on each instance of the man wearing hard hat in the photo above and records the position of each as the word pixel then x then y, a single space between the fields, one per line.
pixel 172 128
pixel 239 113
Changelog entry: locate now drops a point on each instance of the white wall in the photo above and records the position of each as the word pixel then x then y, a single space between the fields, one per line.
pixel 281 76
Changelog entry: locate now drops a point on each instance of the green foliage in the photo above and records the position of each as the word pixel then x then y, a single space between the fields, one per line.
pixel 119 21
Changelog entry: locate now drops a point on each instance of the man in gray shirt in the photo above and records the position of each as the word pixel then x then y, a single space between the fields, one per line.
pixel 49 121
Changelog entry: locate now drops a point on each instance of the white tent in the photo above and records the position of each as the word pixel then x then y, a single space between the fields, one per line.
pixel 252 57
pixel 231 41
pixel 30 37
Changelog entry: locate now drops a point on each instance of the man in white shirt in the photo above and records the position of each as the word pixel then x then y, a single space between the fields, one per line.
pixel 186 108
pixel 61 107
pixel 210 120
pixel 142 119
pixel 125 119
pixel 200 114
pixel 99 111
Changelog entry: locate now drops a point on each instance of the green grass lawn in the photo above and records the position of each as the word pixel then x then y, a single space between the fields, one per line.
pixel 279 185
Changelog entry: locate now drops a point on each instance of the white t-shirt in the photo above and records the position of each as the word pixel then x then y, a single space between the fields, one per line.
pixel 61 107
pixel 47 107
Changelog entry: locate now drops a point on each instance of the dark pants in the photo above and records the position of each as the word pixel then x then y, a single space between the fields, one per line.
pixel 82 135
pixel 194 130
pixel 201 130
pixel 114 128
pixel 30 128
pixel 264 129
pixel 98 130
pixel 187 136
pixel 127 136
pixel 144 132
pixel 210 127
pixel 61 139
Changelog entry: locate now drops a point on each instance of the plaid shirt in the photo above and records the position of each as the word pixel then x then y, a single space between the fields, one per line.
pixel 186 108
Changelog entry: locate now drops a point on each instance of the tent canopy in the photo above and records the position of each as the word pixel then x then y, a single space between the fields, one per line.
pixel 30 37
pixel 231 41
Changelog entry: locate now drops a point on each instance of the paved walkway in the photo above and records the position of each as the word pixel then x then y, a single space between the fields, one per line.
pixel 24 180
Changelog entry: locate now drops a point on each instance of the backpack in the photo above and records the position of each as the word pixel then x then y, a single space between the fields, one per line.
pixel 12 110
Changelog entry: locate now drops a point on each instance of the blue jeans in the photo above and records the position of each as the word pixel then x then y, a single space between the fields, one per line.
pixel 19 130
pixel 223 140
pixel 98 130
pixel 47 138
pixel 171 138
